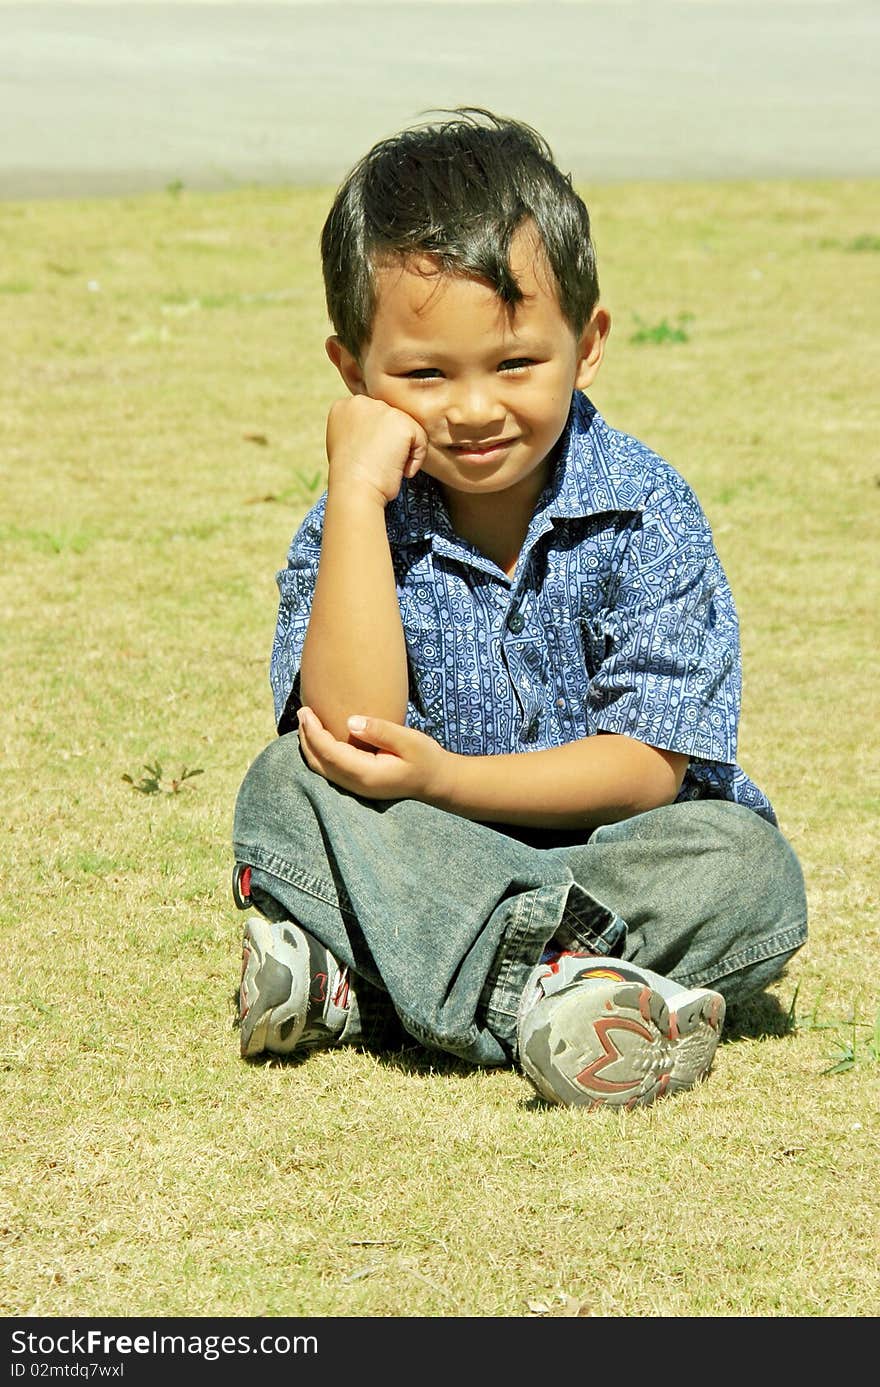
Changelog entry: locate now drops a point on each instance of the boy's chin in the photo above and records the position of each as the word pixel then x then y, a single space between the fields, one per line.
pixel 450 479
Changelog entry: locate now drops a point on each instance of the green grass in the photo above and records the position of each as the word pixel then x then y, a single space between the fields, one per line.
pixel 162 401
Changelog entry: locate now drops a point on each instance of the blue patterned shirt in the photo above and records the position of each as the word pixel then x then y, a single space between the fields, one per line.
pixel 618 617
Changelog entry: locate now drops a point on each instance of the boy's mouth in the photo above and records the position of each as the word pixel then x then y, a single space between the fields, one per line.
pixel 480 452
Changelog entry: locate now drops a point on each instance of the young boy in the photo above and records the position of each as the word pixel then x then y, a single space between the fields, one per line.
pixel 503 814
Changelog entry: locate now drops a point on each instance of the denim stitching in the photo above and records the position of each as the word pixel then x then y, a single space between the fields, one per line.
pixel 785 941
pixel 285 871
pixel 530 928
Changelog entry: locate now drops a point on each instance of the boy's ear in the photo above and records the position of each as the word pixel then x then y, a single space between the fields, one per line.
pixel 592 347
pixel 346 365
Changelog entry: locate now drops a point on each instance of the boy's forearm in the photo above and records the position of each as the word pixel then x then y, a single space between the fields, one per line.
pixel 598 780
pixel 354 656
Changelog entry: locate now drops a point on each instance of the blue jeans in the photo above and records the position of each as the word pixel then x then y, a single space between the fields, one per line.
pixel 442 919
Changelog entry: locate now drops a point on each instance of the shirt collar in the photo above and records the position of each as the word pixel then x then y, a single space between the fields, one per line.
pixel 588 480
pixel 591 476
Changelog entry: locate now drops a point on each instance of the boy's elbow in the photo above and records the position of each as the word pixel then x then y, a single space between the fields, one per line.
pixel 670 768
pixel 653 778
pixel 333 712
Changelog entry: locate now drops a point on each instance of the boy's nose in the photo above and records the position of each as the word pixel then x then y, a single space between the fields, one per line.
pixel 474 406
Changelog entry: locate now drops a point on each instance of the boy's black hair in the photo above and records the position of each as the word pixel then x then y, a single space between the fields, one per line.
pixel 456 191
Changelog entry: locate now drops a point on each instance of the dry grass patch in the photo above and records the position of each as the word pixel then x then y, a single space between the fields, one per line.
pixel 162 400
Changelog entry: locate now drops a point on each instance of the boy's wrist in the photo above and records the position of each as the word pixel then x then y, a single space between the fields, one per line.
pixel 354 493
pixel 447 789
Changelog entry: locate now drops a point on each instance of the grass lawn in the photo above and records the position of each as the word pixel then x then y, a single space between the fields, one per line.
pixel 162 399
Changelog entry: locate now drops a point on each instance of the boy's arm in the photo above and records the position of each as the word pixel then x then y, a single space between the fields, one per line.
pixel 354 655
pixel 597 780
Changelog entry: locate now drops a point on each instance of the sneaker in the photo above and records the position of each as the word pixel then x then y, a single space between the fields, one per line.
pixel 294 994
pixel 596 1032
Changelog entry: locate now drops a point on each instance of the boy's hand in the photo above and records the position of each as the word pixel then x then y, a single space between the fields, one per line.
pixel 404 765
pixel 372 444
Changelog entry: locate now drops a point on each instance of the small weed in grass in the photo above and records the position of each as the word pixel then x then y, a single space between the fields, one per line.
pixel 45 542
pixel 303 491
pixel 306 484
pixel 849 1052
pixel 664 331
pixel 868 241
pixel 154 782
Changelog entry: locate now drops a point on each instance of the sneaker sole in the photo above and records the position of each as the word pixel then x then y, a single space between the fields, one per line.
pixel 618 1044
pixel 264 997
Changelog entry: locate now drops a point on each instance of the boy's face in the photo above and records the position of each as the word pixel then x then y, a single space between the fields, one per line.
pixel 491 390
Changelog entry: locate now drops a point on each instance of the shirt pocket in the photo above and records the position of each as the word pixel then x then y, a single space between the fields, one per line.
pixel 574 619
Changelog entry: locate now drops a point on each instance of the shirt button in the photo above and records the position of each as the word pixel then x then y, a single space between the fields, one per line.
pixel 560 703
pixel 516 622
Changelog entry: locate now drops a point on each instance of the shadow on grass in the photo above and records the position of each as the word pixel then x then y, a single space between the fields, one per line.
pixel 397 1051
pixel 758 1018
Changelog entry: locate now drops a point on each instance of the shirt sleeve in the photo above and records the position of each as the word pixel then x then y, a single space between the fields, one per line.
pixel 671 672
pixel 296 588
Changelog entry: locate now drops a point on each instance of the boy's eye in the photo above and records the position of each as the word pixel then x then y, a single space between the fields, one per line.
pixel 516 363
pixel 423 373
